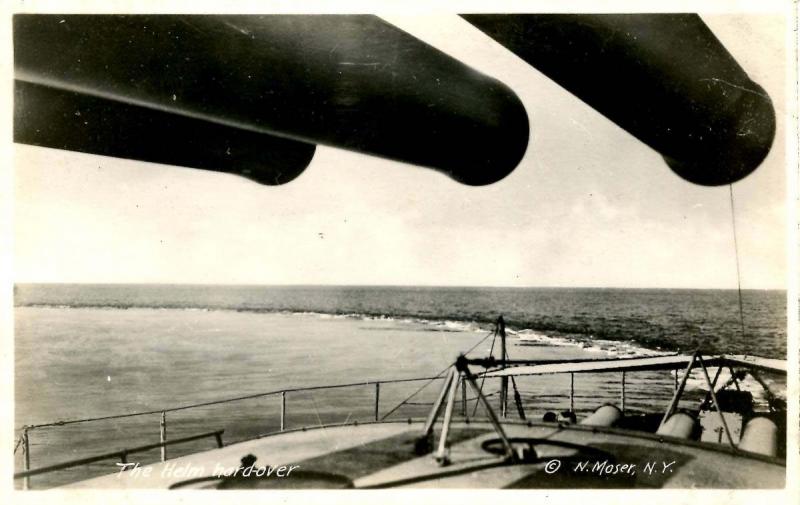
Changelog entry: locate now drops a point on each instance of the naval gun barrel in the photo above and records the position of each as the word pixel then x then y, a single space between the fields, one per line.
pixel 665 78
pixel 280 83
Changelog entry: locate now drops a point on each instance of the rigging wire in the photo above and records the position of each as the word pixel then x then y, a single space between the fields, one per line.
pixel 518 400
pixel 738 272
pixel 437 376
pixel 483 378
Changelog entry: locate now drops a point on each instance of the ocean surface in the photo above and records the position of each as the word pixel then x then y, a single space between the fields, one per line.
pixel 85 351
pixel 661 319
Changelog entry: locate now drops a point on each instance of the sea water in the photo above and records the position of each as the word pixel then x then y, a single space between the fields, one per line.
pixel 85 351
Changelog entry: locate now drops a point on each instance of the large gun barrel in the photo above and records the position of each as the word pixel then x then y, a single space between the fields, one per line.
pixel 665 78
pixel 279 82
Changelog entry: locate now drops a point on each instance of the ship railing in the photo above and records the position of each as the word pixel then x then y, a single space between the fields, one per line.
pixel 467 410
pixel 24 440
pixel 122 455
pixel 466 402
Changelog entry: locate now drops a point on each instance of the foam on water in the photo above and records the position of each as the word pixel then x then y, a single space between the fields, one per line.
pixel 610 348
pixel 657 320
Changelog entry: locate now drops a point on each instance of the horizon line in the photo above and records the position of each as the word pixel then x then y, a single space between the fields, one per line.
pixel 434 286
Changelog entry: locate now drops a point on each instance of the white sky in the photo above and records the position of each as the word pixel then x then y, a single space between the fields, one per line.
pixel 588 206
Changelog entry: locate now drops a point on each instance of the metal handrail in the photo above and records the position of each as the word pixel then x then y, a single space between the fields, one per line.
pixel 226 400
pixel 25 441
pixel 121 454
pixel 27 472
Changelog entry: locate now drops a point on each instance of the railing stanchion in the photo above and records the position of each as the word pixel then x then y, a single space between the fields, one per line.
pixel 377 400
pixel 572 392
pixel 218 436
pixel 623 393
pixel 26 461
pixel 283 410
pixel 163 437
pixel 501 327
pixel 464 397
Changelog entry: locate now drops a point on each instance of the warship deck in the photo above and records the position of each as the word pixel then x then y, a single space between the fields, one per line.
pixel 380 455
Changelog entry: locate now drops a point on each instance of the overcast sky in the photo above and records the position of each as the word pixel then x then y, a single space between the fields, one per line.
pixel 589 205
